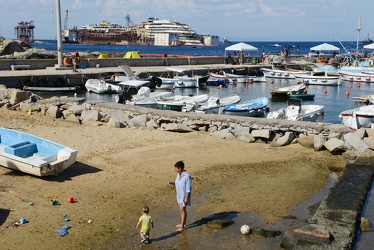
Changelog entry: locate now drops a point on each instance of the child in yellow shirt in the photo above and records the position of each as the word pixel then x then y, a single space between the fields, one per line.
pixel 147 222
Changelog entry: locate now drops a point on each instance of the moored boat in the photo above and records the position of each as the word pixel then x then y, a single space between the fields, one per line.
pixel 356 118
pixel 303 96
pixel 213 105
pixel 284 92
pixel 367 77
pixel 295 111
pixel 33 155
pixel 318 80
pixel 282 74
pixel 254 107
pixel 177 102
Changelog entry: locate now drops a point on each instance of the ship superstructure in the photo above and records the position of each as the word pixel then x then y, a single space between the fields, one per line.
pixel 153 32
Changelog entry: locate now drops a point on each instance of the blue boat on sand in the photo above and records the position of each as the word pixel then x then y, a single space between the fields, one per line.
pixel 254 107
pixel 33 155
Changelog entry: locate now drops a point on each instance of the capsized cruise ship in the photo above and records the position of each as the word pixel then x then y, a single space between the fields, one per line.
pixel 153 32
pixel 166 32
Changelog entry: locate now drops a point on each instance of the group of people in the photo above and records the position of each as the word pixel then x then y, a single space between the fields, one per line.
pixel 183 187
pixel 72 61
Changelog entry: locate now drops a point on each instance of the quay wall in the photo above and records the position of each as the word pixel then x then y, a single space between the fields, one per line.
pixel 5 64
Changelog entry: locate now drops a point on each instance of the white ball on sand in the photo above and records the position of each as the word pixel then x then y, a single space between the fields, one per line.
pixel 245 229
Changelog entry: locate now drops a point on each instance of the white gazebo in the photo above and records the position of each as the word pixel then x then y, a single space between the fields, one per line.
pixel 369 46
pixel 241 48
pixel 325 47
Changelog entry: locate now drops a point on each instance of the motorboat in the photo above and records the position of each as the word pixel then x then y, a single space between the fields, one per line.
pixel 295 111
pixel 213 105
pixel 303 96
pixel 356 118
pixel 149 99
pixel 100 86
pixel 284 92
pixel 234 78
pixel 33 155
pixel 178 78
pixel 177 102
pixel 363 76
pixel 318 80
pixel 282 74
pixel 254 107
pixel 217 81
pixel 276 45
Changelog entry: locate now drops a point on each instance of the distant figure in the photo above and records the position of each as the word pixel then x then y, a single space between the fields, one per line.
pixel 67 62
pixel 146 221
pixel 77 57
pixel 74 60
pixel 165 60
pixel 298 49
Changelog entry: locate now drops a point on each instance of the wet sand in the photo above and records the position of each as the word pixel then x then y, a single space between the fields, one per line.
pixel 120 170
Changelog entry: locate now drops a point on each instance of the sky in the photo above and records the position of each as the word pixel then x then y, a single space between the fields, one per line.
pixel 237 20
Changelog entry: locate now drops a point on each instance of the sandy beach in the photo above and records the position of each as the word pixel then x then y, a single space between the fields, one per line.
pixel 118 171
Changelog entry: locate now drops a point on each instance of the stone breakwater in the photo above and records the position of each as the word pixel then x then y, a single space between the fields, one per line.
pixel 336 222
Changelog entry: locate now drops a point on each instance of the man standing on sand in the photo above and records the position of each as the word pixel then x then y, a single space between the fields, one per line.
pixel 183 187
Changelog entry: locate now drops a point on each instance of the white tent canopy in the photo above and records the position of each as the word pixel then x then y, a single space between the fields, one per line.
pixel 369 46
pixel 324 47
pixel 240 47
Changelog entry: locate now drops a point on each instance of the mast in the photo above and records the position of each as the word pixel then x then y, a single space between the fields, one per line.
pixel 358 35
pixel 59 32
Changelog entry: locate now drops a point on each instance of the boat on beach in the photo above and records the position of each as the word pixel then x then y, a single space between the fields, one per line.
pixel 252 108
pixel 34 155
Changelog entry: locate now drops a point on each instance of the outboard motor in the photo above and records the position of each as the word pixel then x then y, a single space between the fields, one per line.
pixel 123 97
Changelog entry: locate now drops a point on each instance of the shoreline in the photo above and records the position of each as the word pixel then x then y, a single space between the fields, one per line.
pixel 111 161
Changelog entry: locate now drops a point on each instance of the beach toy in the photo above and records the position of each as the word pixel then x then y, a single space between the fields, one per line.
pixel 66 219
pixel 22 220
pixel 245 229
pixel 30 203
pixel 63 231
pixel 71 200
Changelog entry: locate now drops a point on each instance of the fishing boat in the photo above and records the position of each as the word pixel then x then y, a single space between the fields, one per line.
pixel 318 80
pixel 295 111
pixel 282 74
pixel 255 107
pixel 51 89
pixel 33 155
pixel 100 86
pixel 356 118
pixel 179 78
pixel 284 92
pixel 216 81
pixel 363 76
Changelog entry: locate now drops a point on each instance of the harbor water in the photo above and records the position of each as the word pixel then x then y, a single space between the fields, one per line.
pixel 333 98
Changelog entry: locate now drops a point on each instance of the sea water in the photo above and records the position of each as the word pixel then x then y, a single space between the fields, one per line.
pixel 333 98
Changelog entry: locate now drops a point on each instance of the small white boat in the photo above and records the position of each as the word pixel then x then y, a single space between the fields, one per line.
pixel 177 102
pixel 100 86
pixel 255 107
pixel 51 89
pixel 277 45
pixel 367 99
pixel 318 80
pixel 178 78
pixel 213 105
pixel 295 111
pixel 234 78
pixel 146 98
pixel 367 77
pixel 356 118
pixel 33 155
pixel 282 74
